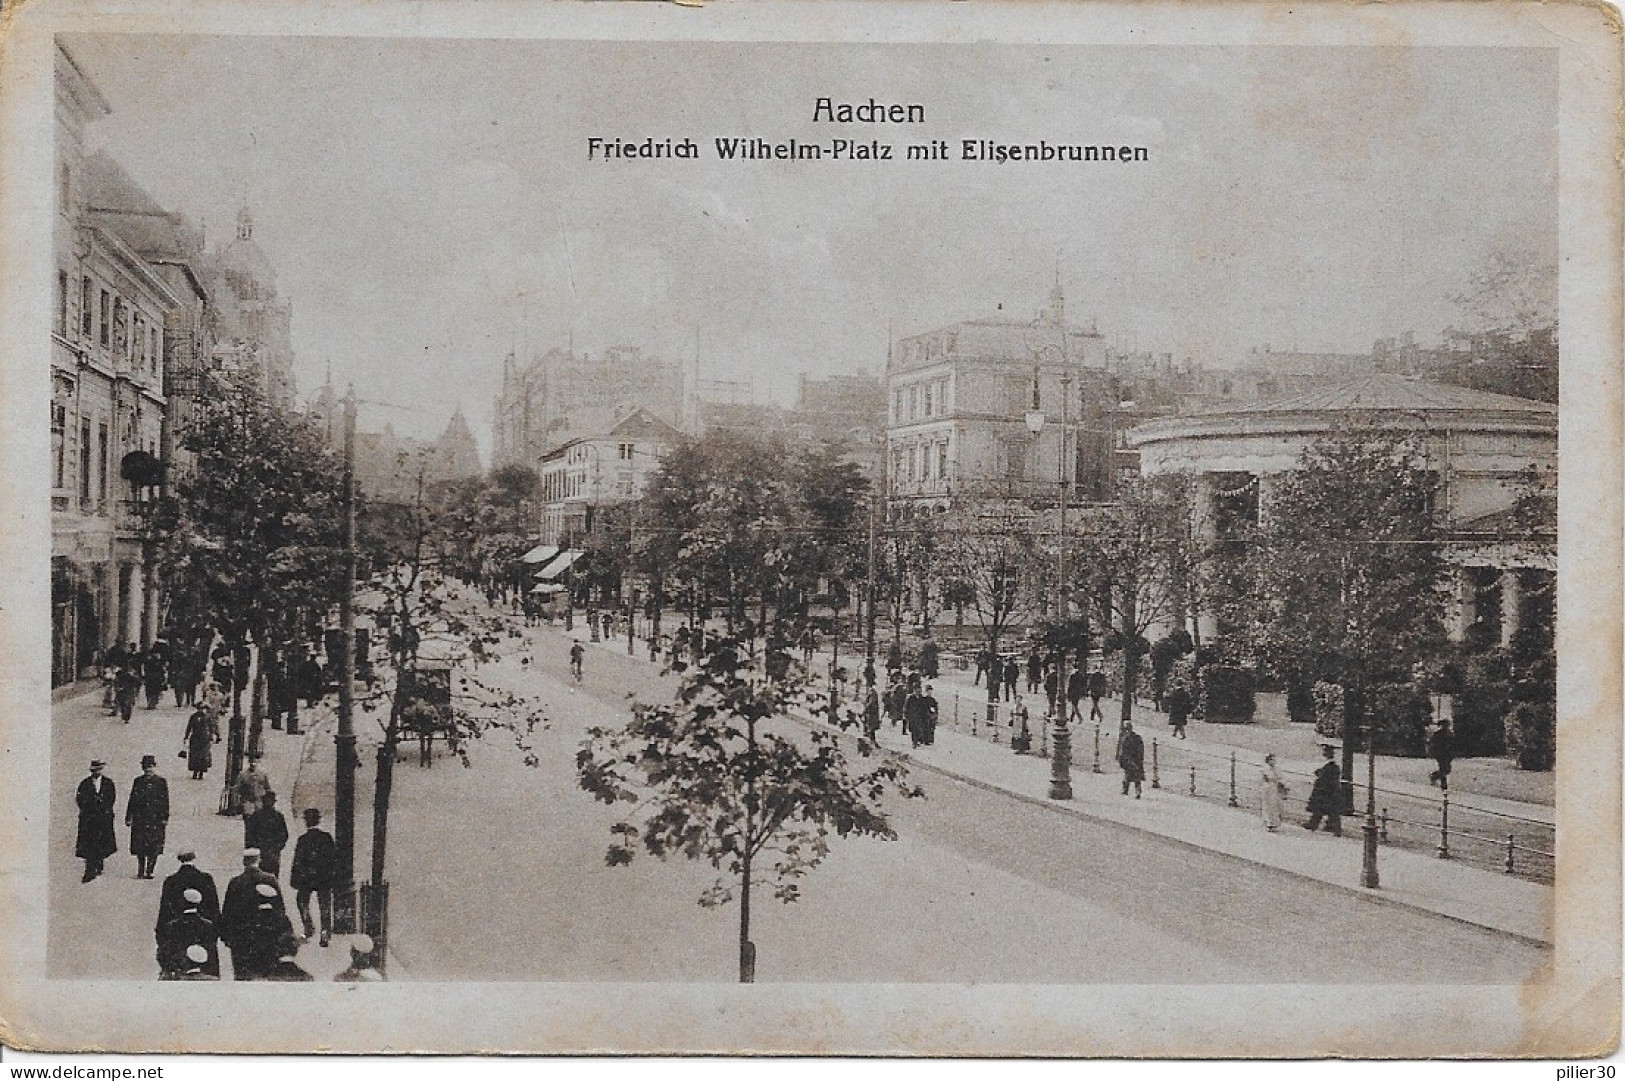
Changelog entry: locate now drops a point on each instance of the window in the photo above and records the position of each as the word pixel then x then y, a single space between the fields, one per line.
pixel 87 311
pixel 121 329
pixel 102 465
pixel 106 312
pixel 62 302
pixel 64 187
pixel 942 460
pixel 59 441
pixel 85 461
pixel 930 399
pixel 626 451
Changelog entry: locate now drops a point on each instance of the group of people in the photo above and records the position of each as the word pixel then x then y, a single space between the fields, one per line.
pixel 909 702
pixel 128 672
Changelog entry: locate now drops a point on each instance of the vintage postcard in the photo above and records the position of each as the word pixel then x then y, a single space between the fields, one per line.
pixel 1013 529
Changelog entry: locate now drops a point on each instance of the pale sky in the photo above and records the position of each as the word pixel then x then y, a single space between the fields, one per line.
pixel 429 204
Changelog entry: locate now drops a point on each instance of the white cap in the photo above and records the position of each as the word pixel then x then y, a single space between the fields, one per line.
pixel 196 954
pixel 265 889
pixel 361 943
pixel 193 896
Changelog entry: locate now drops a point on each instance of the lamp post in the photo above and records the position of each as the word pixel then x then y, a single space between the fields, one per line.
pixel 1368 864
pixel 1060 781
pixel 344 898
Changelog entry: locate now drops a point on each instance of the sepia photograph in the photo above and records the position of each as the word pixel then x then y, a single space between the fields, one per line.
pixel 653 530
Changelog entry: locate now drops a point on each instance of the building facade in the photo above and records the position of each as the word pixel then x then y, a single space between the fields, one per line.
pixel 1484 448
pixel 108 407
pixel 560 395
pixel 613 466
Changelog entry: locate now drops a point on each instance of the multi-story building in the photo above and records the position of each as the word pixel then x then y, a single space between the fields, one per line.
pixel 845 411
pixel 542 402
pixel 612 465
pixel 107 406
pixel 958 406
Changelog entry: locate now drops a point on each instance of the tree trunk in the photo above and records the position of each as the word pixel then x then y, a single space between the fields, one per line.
pixel 747 948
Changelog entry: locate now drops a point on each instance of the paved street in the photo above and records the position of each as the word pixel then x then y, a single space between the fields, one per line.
pixel 498 873
pixel 978 888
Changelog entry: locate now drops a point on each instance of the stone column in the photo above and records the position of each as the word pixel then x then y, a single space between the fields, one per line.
pixel 113 624
pixel 1462 613
pixel 1509 605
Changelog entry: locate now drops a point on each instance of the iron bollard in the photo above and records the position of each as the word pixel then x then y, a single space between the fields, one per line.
pixel 1156 781
pixel 1382 833
pixel 1097 748
pixel 1509 853
pixel 1444 827
pixel 1233 802
pixel 1193 780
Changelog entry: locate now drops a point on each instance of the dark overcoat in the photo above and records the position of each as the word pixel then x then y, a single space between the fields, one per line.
pixel 172 902
pixel 96 839
pixel 1324 797
pixel 188 927
pixel 267 831
pixel 241 906
pixel 315 861
pixel 1131 756
pixel 200 733
pixel 147 814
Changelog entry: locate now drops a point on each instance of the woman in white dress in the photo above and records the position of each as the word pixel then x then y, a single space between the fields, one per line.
pixel 1272 790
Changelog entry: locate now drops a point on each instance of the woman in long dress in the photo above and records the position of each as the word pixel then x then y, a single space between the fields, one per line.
pixel 1272 791
pixel 201 731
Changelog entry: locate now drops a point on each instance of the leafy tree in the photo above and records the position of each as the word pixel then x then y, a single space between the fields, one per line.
pixel 720 775
pixel 992 560
pixel 1348 573
pixel 249 543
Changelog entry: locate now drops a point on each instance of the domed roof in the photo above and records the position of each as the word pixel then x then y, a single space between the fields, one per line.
pixel 243 258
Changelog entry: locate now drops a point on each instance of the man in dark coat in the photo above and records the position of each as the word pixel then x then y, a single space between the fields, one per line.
pixel 1035 671
pixel 188 876
pixel 182 932
pixel 267 831
pixel 1178 703
pixel 1442 749
pixel 1131 757
pixel 1052 687
pixel 315 865
pixel 155 672
pixel 146 813
pixel 1326 797
pixel 96 800
pixel 1097 691
pixel 127 683
pixel 1077 685
pixel 928 716
pixel 1012 676
pixel 248 930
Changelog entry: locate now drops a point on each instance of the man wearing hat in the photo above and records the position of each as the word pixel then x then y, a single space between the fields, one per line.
pixel 96 800
pixel 315 865
pixel 147 815
pixel 188 876
pixel 250 789
pixel 241 919
pixel 1326 796
pixel 267 831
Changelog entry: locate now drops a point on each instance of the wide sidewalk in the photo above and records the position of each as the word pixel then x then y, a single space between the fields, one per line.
pixel 109 921
pixel 1415 879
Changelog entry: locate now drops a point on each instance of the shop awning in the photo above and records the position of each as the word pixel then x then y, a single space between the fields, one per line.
pixel 546 589
pixel 559 564
pixel 540 554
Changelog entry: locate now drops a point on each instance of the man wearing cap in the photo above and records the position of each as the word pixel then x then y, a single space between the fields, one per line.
pixel 241 920
pixel 188 876
pixel 96 800
pixel 315 865
pixel 267 831
pixel 146 813
pixel 188 930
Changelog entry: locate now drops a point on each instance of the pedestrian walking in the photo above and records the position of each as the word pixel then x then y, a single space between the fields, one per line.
pixel 1021 737
pixel 1442 749
pixel 188 876
pixel 1131 757
pixel 185 673
pixel 1178 702
pixel 267 831
pixel 1035 671
pixel 930 659
pixel 188 940
pixel 1012 676
pixel 984 661
pixel 96 799
pixel 248 920
pixel 223 672
pixel 913 716
pixel 146 813
pixel 127 684
pixel 896 698
pixel 155 672
pixel 1052 687
pixel 315 866
pixel 871 713
pixel 202 732
pixel 109 666
pixel 251 787
pixel 312 682
pixel 1077 685
pixel 1272 793
pixel 1097 691
pixel 928 716
pixel 1326 796
pixel 577 652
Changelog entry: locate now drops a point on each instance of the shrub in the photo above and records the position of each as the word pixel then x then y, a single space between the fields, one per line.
pixel 1531 735
pixel 1227 695
pixel 1483 702
pixel 1398 714
pixel 1328 710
